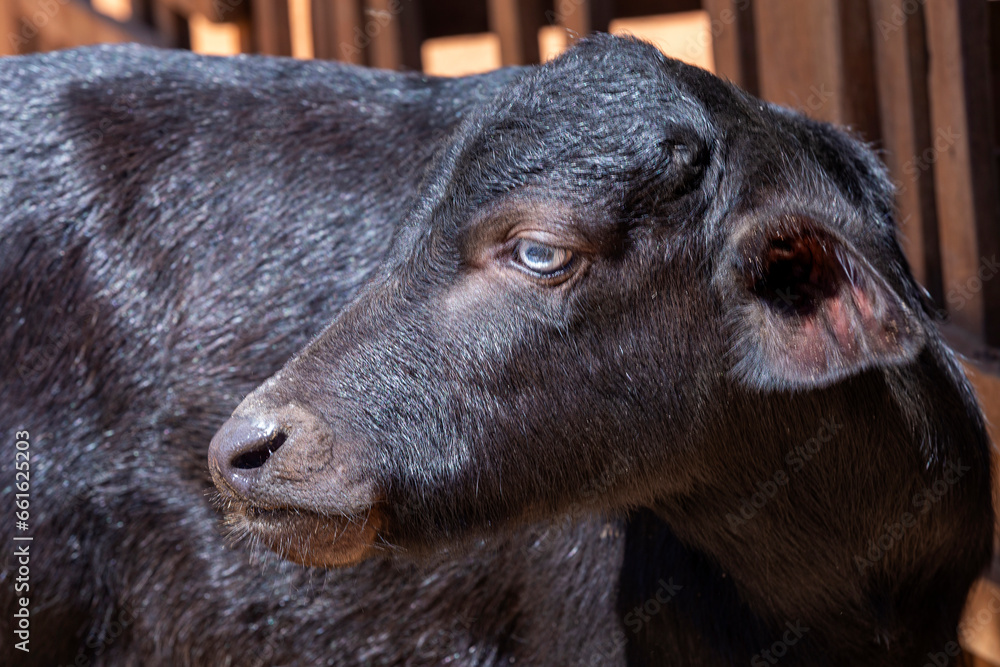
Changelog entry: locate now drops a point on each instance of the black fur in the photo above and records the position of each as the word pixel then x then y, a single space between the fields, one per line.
pixel 512 466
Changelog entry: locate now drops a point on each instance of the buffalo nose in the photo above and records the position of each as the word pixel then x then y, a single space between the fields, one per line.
pixel 240 451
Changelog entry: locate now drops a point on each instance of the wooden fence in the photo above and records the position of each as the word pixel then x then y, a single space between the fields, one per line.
pixel 918 78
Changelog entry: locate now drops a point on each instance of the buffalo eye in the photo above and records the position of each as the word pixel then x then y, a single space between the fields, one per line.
pixel 541 259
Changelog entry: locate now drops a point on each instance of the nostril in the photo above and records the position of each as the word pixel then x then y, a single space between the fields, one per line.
pixel 258 455
pixel 239 453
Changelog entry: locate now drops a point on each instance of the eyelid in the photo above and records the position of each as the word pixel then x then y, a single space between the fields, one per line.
pixel 492 236
pixel 538 236
pixel 559 234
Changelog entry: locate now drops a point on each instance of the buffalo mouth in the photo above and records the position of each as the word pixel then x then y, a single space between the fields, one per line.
pixel 306 537
pixel 280 487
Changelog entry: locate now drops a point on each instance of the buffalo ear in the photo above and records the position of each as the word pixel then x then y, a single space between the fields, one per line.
pixel 815 310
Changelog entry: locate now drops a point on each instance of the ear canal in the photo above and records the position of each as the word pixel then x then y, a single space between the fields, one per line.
pixel 818 311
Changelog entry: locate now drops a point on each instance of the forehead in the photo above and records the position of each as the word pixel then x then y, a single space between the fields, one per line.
pixel 608 112
pixel 613 117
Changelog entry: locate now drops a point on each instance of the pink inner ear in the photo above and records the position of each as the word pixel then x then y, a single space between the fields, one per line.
pixel 826 312
pixel 863 304
pixel 843 330
pixel 851 318
pixel 840 322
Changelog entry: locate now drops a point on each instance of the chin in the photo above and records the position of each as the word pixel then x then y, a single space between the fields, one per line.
pixel 308 538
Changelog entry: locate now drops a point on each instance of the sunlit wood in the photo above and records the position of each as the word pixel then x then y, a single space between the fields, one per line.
pixel 300 22
pixel 686 36
pixel 551 42
pixel 461 55
pixel 220 39
pixel 981 624
pixel 119 10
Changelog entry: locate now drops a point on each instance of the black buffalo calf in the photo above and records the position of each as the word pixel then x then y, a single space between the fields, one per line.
pixel 620 366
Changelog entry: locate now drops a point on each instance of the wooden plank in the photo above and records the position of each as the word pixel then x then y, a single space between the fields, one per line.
pixel 272 29
pixel 733 43
pixel 859 96
pixel 10 26
pixel 142 11
pixel 217 11
pixel 993 9
pixel 963 163
pixel 225 11
pixel 816 57
pixel 582 17
pixel 338 31
pixel 223 39
pixel 798 52
pixel 301 29
pixel 517 23
pixel 633 8
pixel 901 71
pixel 171 25
pixel 47 26
pixel 981 636
pixel 395 30
pixel 447 18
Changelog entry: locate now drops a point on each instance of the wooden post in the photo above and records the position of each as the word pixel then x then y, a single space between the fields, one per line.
pixel 217 11
pixel 10 27
pixel 816 56
pixel 338 30
pixel 733 43
pixel 394 28
pixel 963 163
pixel 272 27
pixel 171 25
pixel 582 17
pixel 517 23
pixel 48 26
pixel 901 71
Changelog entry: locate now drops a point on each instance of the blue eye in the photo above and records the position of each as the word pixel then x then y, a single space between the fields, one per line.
pixel 540 258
